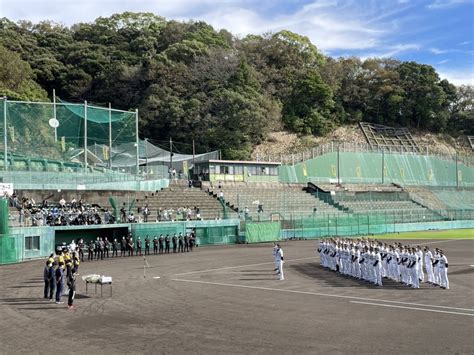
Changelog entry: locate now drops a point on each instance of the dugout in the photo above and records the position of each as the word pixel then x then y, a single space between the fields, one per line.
pixel 236 171
pixel 65 234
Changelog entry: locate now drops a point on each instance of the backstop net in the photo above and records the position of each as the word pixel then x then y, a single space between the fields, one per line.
pixel 36 136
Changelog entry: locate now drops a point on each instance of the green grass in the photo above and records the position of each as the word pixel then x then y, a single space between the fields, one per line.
pixel 438 234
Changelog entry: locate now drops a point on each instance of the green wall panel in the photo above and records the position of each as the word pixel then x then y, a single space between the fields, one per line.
pixel 405 169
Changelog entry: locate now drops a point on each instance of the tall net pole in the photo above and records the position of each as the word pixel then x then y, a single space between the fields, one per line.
pixel 137 142
pixel 5 159
pixel 85 136
pixel 110 135
pixel 54 116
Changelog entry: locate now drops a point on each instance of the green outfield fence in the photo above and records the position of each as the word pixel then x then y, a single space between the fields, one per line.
pixel 371 223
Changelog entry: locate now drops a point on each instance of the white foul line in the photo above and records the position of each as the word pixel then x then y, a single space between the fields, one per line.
pixel 319 294
pixel 236 267
pixel 413 308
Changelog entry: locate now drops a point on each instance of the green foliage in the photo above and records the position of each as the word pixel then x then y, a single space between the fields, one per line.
pixel 16 78
pixel 191 82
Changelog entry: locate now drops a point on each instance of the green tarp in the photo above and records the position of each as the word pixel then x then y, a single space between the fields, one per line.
pixel 262 232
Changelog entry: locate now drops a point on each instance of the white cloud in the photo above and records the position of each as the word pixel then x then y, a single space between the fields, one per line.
pixel 442 4
pixel 457 77
pixel 393 51
pixel 443 61
pixel 438 51
pixel 329 24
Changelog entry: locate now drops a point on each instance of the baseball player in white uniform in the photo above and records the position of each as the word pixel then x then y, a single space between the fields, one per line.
pixel 280 261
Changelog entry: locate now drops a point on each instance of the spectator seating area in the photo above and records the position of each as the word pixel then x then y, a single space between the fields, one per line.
pixel 286 199
pixel 254 201
pixel 176 201
pixel 443 198
pixel 454 198
pixel 360 187
pixel 396 204
pixel 179 202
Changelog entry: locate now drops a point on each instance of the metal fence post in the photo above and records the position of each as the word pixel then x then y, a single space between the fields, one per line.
pixel 5 140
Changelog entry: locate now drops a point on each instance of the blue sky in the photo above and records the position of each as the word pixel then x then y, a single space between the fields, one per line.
pixel 435 32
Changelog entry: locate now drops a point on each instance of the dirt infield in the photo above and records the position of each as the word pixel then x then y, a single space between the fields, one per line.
pixel 227 300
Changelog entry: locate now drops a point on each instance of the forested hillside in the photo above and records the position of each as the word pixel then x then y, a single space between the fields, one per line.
pixel 190 81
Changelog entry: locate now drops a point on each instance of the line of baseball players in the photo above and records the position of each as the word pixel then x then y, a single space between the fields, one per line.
pixel 372 261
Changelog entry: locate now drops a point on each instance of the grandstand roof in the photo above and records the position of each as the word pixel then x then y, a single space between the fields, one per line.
pixel 124 155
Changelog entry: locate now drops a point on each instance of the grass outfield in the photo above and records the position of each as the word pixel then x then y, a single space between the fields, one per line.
pixel 438 234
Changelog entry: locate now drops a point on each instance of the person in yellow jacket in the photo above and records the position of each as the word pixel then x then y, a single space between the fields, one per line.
pixel 61 257
pixel 50 259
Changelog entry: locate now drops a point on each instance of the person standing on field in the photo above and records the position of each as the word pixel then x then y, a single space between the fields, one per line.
pixel 280 261
pixel 443 270
pixel 429 264
pixel 274 253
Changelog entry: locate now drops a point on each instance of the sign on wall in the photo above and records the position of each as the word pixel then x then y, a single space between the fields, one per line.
pixel 6 190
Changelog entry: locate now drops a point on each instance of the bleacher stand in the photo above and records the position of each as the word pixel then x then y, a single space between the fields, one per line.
pixel 259 200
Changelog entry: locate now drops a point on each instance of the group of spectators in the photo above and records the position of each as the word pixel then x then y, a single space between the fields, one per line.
pixel 61 214
pixel 185 212
pixel 78 212
pixel 144 214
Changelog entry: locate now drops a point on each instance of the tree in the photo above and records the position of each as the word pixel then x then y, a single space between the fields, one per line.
pixel 16 78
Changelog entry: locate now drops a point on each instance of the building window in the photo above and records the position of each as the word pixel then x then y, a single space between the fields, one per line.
pixel 225 169
pixel 238 170
pixel 32 242
pixel 273 171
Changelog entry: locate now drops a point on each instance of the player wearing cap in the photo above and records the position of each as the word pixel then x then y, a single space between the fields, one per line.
pixel 435 264
pixel 429 265
pixel 443 270
pixel 377 267
pixel 274 253
pixel 280 262
pixel 419 254
pixel 413 269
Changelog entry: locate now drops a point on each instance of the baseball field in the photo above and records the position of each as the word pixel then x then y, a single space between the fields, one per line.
pixel 226 299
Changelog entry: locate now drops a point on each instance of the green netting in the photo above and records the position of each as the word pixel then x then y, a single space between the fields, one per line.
pixel 11 248
pixel 366 223
pixel 216 235
pixel 30 137
pixel 3 216
pixel 262 232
